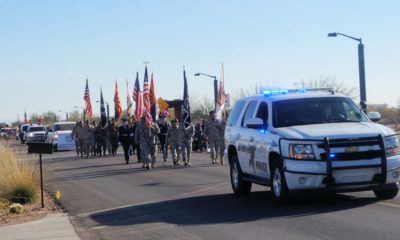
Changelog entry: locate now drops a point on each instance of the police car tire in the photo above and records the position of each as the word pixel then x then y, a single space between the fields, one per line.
pixel 284 196
pixel 389 193
pixel 239 186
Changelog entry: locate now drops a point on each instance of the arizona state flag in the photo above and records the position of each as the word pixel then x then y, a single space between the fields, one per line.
pixel 117 103
pixel 153 101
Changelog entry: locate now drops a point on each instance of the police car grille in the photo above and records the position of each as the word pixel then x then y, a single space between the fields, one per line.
pixel 370 142
pixel 343 156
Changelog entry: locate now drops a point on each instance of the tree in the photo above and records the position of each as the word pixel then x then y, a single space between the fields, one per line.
pixel 329 82
pixel 75 116
pixel 50 117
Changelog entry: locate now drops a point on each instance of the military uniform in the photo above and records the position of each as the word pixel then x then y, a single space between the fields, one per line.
pixel 164 125
pixel 173 139
pixel 75 137
pixel 112 138
pixel 221 140
pixel 211 132
pixel 125 139
pixel 147 140
pixel 135 144
pixel 92 140
pixel 100 138
pixel 86 135
pixel 187 133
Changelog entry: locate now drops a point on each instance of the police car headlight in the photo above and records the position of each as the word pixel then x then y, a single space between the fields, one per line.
pixel 391 146
pixel 301 151
pixel 55 136
pixel 30 135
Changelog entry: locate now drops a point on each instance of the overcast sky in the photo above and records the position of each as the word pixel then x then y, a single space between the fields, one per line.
pixel 47 48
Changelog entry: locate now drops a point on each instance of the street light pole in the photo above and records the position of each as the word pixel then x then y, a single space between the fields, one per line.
pixel 83 113
pixel 66 115
pixel 361 68
pixel 215 87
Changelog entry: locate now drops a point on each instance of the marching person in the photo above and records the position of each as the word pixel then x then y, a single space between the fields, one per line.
pixel 211 135
pixel 125 138
pixel 146 138
pixel 221 139
pixel 186 136
pixel 92 138
pixel 173 140
pixel 134 145
pixel 198 138
pixel 86 137
pixel 155 130
pixel 100 138
pixel 112 137
pixel 74 135
pixel 164 125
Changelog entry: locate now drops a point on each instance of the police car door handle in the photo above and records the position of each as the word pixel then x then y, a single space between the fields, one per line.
pixel 251 139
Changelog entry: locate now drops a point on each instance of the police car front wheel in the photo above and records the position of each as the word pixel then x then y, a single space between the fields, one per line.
pixel 239 186
pixel 279 187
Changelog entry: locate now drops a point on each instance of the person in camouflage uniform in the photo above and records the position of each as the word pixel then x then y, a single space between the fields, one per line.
pixel 100 138
pixel 112 137
pixel 74 135
pixel 221 140
pixel 186 136
pixel 173 139
pixel 146 137
pixel 92 139
pixel 211 134
pixel 86 136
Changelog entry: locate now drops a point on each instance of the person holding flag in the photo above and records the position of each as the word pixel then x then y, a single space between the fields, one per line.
pixel 221 116
pixel 186 128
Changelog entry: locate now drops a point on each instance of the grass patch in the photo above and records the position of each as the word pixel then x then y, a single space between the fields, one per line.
pixel 19 178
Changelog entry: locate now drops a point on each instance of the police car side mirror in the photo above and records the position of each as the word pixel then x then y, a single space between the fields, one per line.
pixel 255 123
pixel 374 116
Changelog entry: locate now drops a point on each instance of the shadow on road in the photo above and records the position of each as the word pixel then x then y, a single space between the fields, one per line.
pixel 114 172
pixel 225 208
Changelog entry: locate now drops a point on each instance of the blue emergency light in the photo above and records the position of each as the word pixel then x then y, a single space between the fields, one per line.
pixel 275 92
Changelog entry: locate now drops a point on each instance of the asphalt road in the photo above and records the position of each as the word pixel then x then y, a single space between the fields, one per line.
pixel 107 199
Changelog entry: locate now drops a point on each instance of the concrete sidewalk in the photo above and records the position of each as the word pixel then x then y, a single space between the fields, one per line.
pixel 53 226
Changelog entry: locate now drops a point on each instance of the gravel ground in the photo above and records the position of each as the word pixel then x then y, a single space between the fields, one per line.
pixel 31 211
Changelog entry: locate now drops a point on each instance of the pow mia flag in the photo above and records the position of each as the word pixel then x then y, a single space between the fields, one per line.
pixel 186 105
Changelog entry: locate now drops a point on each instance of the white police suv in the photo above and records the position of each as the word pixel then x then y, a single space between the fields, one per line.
pixel 309 140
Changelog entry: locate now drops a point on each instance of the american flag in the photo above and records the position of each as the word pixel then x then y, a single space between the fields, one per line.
pixel 26 119
pixel 221 95
pixel 137 97
pixel 41 120
pixel 186 105
pixel 86 97
pixel 146 98
pixel 117 103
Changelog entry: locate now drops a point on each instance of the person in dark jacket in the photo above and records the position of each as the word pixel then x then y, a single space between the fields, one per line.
pixel 125 138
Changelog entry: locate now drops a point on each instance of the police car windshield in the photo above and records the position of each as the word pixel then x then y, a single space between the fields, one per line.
pixel 64 127
pixel 315 111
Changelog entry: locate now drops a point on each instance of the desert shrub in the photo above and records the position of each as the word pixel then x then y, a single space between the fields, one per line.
pixel 19 179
